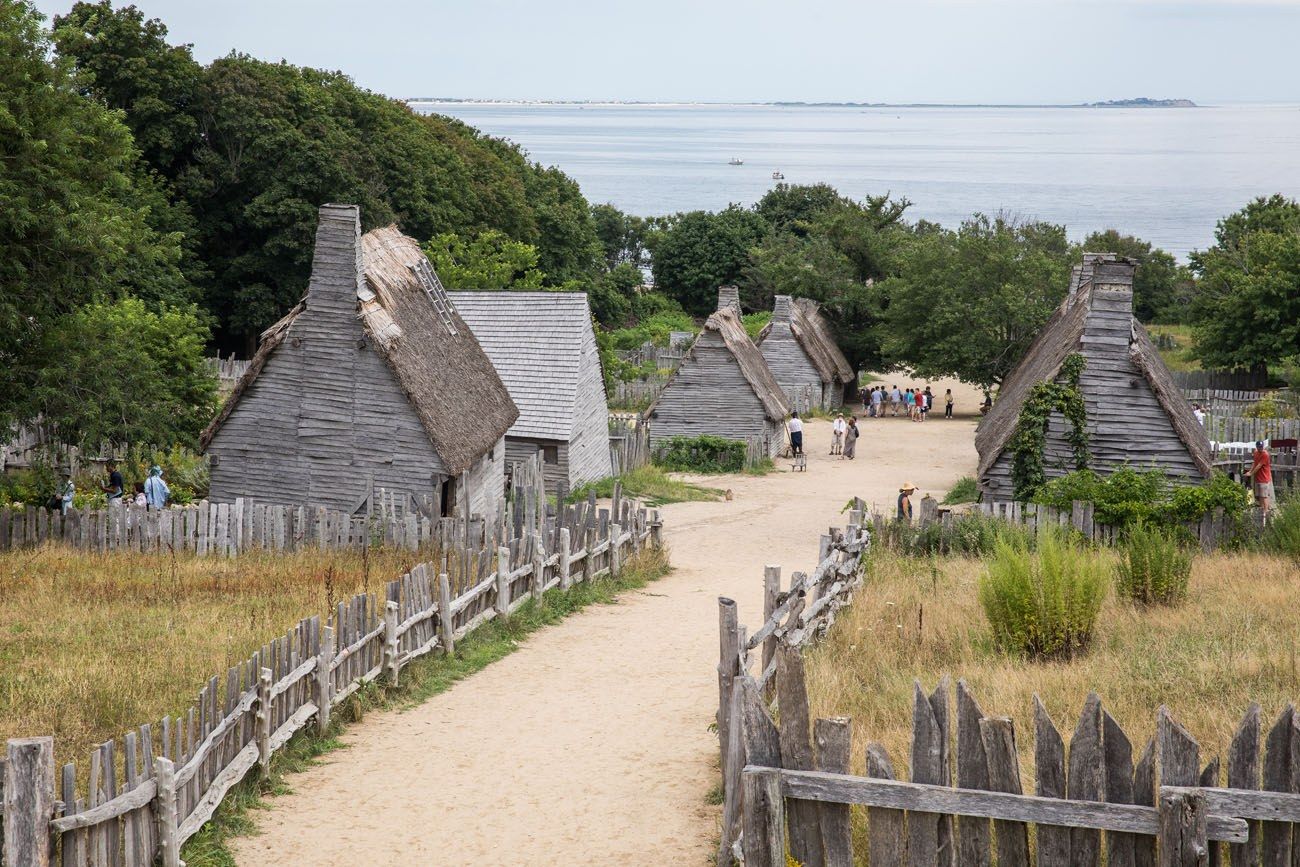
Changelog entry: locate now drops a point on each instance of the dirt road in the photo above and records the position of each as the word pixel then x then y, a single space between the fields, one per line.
pixel 591 743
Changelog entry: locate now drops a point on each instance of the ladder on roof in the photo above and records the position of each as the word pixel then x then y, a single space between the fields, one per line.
pixel 433 288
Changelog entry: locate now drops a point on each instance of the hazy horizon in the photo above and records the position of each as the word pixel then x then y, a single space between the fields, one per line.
pixel 963 52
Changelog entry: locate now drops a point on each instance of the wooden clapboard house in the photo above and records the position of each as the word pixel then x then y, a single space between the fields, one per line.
pixel 372 383
pixel 544 347
pixel 1136 414
pixel 722 387
pixel 800 348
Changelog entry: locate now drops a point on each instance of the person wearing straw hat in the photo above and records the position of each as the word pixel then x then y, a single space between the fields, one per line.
pixel 905 501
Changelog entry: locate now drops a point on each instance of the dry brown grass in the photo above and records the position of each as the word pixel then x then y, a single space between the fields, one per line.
pixel 1231 642
pixel 92 645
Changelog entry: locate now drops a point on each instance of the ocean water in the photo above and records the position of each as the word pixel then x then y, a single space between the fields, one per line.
pixel 1166 175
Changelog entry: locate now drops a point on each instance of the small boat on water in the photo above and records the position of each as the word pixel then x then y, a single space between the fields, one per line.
pixel 777 176
pixel 735 161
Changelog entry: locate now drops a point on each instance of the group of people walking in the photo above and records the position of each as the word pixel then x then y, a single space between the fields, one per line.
pixel 913 403
pixel 153 493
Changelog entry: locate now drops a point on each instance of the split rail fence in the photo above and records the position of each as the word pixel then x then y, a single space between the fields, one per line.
pixel 792 618
pixel 143 798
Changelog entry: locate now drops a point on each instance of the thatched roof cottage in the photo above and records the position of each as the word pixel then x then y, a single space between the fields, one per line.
pixel 1135 413
pixel 373 381
pixel 722 387
pixel 800 348
pixel 544 347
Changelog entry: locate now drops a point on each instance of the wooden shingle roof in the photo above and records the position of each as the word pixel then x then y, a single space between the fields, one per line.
pixel 535 341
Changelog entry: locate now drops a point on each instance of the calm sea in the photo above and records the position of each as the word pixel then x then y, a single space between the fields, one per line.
pixel 1166 175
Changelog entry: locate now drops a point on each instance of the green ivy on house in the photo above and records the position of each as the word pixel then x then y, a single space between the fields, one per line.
pixel 1029 439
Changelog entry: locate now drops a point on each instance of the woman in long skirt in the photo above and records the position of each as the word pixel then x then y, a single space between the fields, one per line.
pixel 851 438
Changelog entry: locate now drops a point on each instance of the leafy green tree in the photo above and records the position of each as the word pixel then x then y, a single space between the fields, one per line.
pixel 1162 288
pixel 122 372
pixel 968 303
pixel 622 236
pixel 793 207
pixel 1247 310
pixel 488 261
pixel 72 226
pixel 700 251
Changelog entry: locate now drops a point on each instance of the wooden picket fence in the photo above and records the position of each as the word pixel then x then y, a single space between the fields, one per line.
pixel 629 442
pixel 1238 429
pixel 794 618
pixel 1237 380
pixel 144 798
pixel 1091 804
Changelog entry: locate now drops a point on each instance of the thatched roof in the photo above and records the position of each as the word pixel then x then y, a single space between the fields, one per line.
pixel 1060 338
pixel 726 323
pixel 268 341
pixel 814 335
pixel 447 377
pixel 450 381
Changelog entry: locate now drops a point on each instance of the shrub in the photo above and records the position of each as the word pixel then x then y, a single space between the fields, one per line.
pixel 703 454
pixel 1153 569
pixel 1283 533
pixel 973 534
pixel 1043 603
pixel 1128 496
pixel 1269 408
pixel 964 490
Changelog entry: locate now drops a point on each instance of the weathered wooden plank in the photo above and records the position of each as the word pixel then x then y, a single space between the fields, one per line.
pixel 1275 837
pixel 886 840
pixel 796 753
pixel 28 793
pixel 929 766
pixel 1144 794
pixel 1086 780
pixel 1210 780
pixel 972 773
pixel 1180 762
pixel 1183 833
pixel 764 819
pixel 814 785
pixel 1118 751
pixel 1243 773
pixel 999 741
pixel 1049 759
pixel 833 741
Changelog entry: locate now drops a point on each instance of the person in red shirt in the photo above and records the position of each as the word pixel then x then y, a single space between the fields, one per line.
pixel 1261 473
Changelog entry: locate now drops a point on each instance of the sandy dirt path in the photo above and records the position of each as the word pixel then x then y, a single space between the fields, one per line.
pixel 591 743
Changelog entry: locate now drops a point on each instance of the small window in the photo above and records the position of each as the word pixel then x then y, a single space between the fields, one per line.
pixel 551 454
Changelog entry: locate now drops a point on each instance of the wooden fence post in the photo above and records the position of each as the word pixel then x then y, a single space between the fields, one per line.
pixel 832 739
pixel 538 583
pixel 771 590
pixel 263 718
pixel 764 819
pixel 391 663
pixel 565 581
pixel 615 550
pixel 656 529
pixel 164 809
pixel 503 581
pixel 1183 841
pixel 589 562
pixel 796 753
pixel 324 680
pixel 728 668
pixel 28 801
pixel 445 619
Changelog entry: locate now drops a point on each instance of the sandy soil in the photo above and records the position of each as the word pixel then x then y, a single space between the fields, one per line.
pixel 591 743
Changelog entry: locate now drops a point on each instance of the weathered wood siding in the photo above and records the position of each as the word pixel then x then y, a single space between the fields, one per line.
pixel 790 364
pixel 588 453
pixel 487 482
pixel 325 422
pixel 1126 424
pixel 520 449
pixel 710 395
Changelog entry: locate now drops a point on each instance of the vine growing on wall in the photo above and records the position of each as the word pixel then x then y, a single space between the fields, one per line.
pixel 1030 437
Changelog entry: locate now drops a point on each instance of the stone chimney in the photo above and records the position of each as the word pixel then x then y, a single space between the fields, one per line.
pixel 729 296
pixel 782 308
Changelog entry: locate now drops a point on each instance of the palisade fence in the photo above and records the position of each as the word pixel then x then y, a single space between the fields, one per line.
pixel 788 789
pixel 629 442
pixel 1239 429
pixel 1237 380
pixel 639 392
pixel 1215 529
pixel 143 798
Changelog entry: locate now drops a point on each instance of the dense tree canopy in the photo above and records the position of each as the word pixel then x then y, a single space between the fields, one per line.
pixel 967 303
pixel 1247 308
pixel 700 251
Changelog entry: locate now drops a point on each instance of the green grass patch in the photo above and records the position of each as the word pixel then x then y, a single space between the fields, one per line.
pixel 423 679
pixel 762 468
pixel 1177 346
pixel 650 484
pixel 964 490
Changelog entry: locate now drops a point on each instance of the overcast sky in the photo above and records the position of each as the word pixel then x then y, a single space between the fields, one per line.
pixel 1003 51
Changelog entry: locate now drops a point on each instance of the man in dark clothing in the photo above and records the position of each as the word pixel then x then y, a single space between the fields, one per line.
pixel 115 484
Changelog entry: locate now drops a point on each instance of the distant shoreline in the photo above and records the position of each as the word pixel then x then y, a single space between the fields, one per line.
pixel 1141 102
